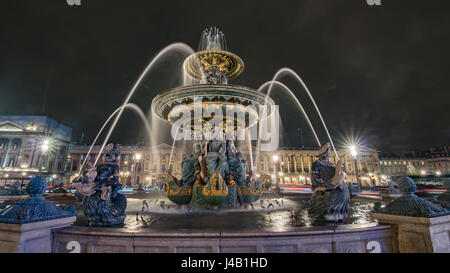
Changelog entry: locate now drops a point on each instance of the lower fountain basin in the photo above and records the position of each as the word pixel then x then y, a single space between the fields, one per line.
pixel 361 238
pixel 286 228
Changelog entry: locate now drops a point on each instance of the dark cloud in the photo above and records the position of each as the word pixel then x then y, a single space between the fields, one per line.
pixel 381 71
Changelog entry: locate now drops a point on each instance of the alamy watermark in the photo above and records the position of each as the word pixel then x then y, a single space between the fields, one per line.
pixel 237 123
pixel 73 2
pixel 373 2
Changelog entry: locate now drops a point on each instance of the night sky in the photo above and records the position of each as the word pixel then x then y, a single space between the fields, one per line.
pixel 379 73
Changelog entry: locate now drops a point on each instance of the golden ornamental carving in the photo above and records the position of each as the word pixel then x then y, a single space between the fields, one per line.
pixel 175 189
pixel 216 186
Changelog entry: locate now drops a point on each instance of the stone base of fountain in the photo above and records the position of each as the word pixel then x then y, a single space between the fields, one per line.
pixel 30 237
pixel 419 234
pixel 328 239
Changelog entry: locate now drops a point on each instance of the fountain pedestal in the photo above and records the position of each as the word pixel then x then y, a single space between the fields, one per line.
pixel 32 237
pixel 421 227
pixel 26 226
pixel 419 234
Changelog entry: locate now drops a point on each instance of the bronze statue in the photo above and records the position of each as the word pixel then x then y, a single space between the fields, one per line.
pixel 331 197
pixel 99 188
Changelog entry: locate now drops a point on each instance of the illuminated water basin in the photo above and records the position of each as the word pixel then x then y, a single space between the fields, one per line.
pixel 291 213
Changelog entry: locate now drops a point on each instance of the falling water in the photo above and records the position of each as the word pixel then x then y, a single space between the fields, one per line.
pixel 128 105
pixel 186 78
pixel 173 146
pixel 250 148
pixel 271 83
pixel 176 46
pixel 289 71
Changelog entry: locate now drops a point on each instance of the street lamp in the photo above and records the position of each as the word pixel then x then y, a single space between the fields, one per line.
pixel 277 180
pixel 354 153
pixel 138 156
pixel 45 145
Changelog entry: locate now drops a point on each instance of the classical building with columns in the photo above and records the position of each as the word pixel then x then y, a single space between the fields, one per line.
pixel 32 145
pixel 144 165
pixel 435 162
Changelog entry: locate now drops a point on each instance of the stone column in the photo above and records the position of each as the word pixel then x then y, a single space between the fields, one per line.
pixel 302 164
pixel 295 164
pixel 288 163
pixel 71 164
pixel 5 161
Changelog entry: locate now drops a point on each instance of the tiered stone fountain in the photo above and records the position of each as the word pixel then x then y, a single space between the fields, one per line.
pixel 214 175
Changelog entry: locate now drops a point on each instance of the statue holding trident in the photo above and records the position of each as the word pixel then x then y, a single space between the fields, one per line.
pixel 331 197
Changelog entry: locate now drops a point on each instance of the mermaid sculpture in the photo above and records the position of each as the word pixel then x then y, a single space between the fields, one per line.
pixel 99 187
pixel 331 197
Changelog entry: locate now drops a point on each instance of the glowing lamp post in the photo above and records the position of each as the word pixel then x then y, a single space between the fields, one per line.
pixel 138 157
pixel 354 153
pixel 45 146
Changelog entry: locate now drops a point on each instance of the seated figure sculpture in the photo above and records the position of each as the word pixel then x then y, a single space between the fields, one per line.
pixel 214 175
pixel 331 197
pixel 99 187
pixel 215 159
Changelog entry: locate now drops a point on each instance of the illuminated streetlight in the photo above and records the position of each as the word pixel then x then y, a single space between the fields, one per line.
pixel 275 158
pixel 138 156
pixel 354 152
pixel 438 173
pixel 46 145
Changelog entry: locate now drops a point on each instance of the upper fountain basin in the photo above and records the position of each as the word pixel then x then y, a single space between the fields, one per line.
pixel 207 97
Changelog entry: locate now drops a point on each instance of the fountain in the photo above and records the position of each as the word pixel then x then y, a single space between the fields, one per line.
pixel 217 205
pixel 214 175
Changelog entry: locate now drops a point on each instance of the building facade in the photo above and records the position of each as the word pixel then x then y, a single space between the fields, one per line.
pixel 435 162
pixel 144 165
pixel 32 145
